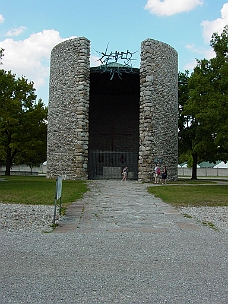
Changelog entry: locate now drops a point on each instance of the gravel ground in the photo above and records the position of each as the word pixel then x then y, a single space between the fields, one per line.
pixel 216 217
pixel 128 247
pixel 14 217
pixel 27 218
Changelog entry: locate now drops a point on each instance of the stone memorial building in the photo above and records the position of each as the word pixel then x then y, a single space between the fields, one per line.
pixel 101 119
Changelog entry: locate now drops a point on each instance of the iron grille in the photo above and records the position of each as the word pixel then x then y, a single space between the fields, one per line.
pixel 109 164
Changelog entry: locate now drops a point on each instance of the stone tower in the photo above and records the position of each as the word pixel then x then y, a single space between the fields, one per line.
pixel 158 126
pixel 155 113
pixel 67 145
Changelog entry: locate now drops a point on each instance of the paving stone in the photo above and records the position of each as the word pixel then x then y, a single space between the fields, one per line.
pixel 129 208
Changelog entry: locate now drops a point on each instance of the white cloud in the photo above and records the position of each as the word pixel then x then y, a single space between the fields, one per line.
pixel 94 61
pixel 16 31
pixel 2 19
pixel 215 26
pixel 30 57
pixel 190 65
pixel 200 54
pixel 209 27
pixel 205 53
pixel 171 7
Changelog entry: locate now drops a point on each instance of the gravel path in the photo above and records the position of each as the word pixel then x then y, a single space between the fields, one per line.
pixel 118 244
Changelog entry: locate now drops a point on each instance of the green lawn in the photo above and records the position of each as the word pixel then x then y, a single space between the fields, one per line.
pixel 37 190
pixel 195 193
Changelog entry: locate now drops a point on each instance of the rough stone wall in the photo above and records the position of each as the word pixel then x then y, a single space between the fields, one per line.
pixel 68 124
pixel 158 126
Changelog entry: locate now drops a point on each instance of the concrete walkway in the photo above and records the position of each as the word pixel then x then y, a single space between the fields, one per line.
pixel 118 244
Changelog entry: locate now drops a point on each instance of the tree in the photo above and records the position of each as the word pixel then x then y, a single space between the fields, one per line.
pixel 219 102
pixel 183 120
pixel 188 126
pixel 23 128
pixel 205 107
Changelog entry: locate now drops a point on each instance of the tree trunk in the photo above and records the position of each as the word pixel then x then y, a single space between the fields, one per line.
pixel 194 166
pixel 8 162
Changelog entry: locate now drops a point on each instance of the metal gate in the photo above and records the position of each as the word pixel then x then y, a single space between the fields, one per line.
pixel 109 164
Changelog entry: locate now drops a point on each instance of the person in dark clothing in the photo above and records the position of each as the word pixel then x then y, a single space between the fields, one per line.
pixel 164 175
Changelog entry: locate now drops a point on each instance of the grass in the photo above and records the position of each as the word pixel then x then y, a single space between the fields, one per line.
pixel 193 182
pixel 37 190
pixel 196 193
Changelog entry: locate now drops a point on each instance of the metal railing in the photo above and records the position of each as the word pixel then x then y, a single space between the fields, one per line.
pixel 109 164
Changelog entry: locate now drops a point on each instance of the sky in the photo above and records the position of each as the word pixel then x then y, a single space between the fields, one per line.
pixel 29 29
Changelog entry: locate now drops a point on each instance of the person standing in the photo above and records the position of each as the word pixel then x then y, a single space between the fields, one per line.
pixel 157 172
pixel 125 170
pixel 164 175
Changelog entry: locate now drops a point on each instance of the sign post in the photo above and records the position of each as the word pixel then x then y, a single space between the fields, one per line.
pixel 58 196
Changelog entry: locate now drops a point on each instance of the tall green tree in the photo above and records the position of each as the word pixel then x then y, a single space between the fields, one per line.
pixel 219 101
pixel 206 107
pixel 184 135
pixel 188 126
pixel 23 127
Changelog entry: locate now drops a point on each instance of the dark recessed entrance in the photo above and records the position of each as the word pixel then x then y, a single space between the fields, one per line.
pixel 113 123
